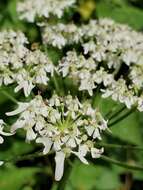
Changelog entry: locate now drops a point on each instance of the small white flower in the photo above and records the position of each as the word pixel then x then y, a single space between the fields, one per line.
pixel 93 131
pixel 54 101
pixel 2 132
pixel 82 151
pixel 96 153
pixel 29 10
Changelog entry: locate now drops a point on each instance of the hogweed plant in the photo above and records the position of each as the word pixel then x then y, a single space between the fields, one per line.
pixel 98 57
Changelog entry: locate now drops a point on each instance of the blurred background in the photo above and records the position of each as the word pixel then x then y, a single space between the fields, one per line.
pixel 36 173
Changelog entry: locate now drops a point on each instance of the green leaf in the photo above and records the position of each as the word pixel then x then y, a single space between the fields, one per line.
pixel 121 12
pixel 87 177
pixel 14 179
pixel 128 129
pixel 105 105
pixel 122 164
pixel 17 148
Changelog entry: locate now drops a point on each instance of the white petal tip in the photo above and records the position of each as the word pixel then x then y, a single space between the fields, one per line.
pixel 1 163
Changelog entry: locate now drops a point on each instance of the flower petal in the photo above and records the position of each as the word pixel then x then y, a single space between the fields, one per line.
pixel 47 143
pixel 1 163
pixel 30 134
pixel 1 140
pixel 22 107
pixel 59 159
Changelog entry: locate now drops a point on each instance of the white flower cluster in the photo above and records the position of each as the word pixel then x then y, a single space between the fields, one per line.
pixel 109 47
pixel 104 40
pixel 88 74
pixel 12 51
pixel 113 43
pixel 119 91
pixel 84 71
pixel 21 66
pixel 30 9
pixel 61 124
pixel 61 34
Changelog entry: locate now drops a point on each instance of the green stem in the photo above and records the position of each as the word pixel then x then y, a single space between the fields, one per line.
pixel 26 157
pixel 116 113
pixel 56 84
pixel 120 146
pixel 9 96
pixel 122 164
pixel 121 118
